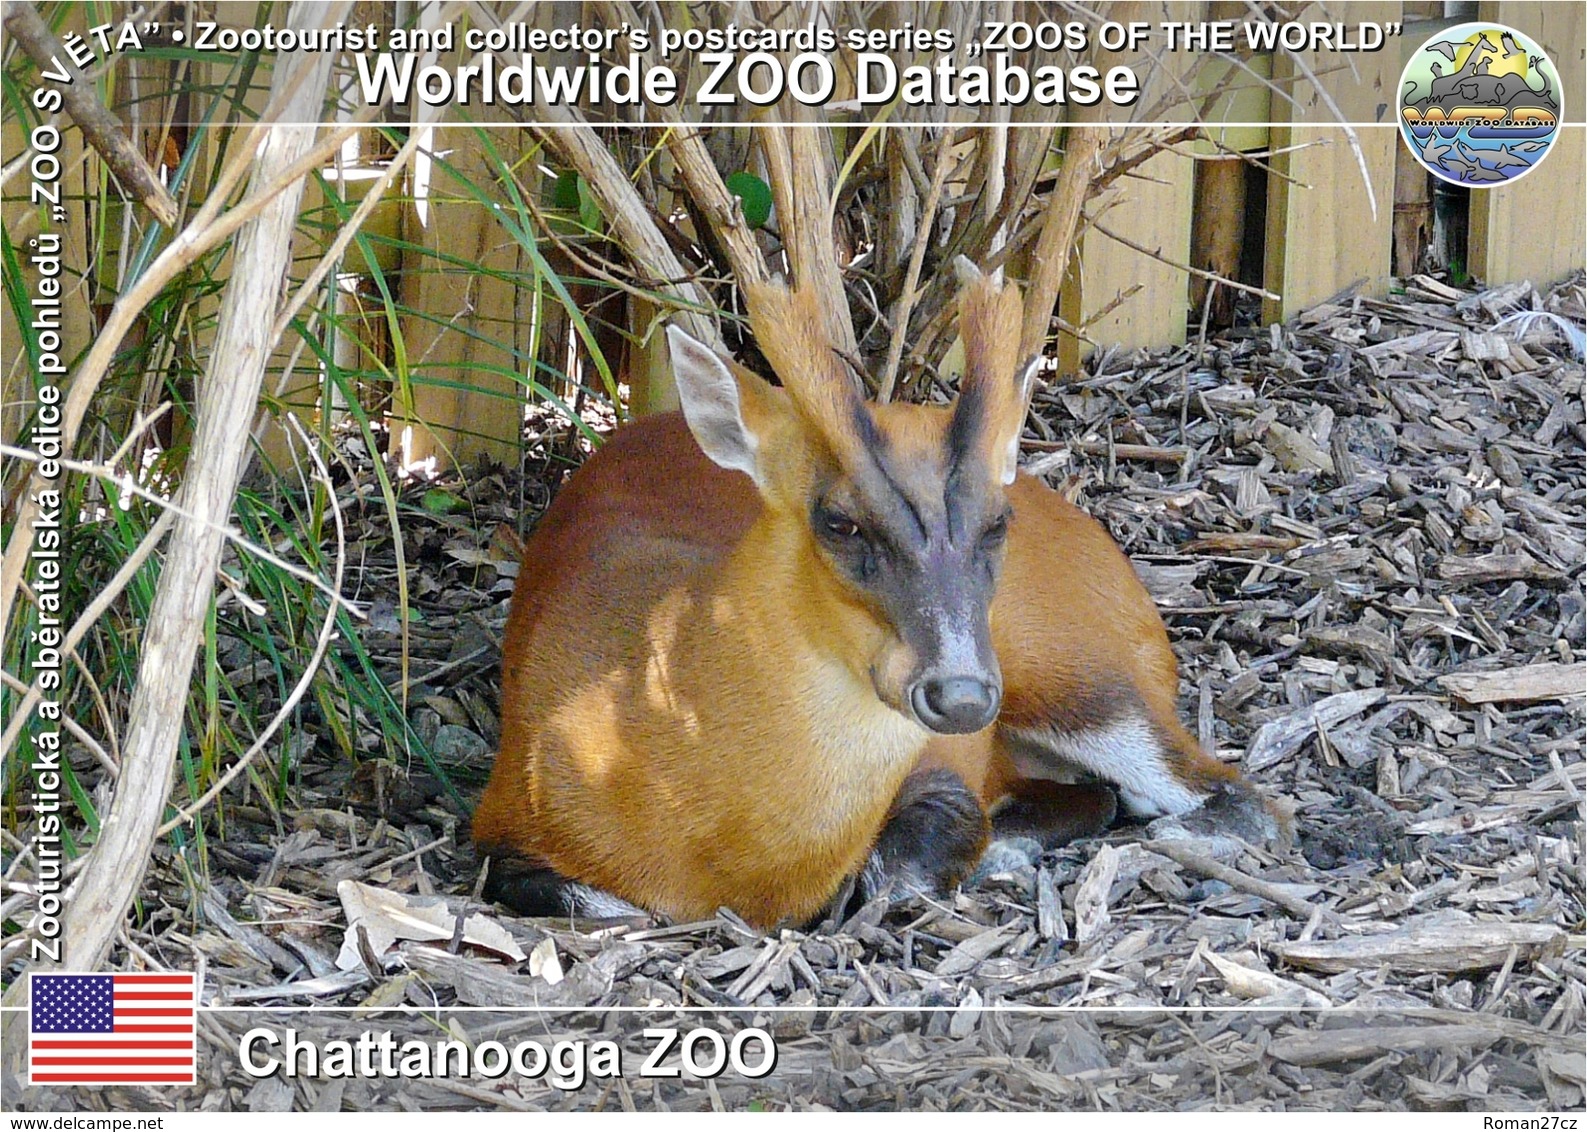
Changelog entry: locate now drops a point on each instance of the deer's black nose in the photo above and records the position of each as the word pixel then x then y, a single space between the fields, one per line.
pixel 955 705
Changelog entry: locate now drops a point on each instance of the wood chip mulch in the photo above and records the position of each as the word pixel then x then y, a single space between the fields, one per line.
pixel 1365 531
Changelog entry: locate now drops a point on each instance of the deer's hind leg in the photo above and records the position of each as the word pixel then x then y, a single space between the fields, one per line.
pixel 1090 680
pixel 1158 769
pixel 533 888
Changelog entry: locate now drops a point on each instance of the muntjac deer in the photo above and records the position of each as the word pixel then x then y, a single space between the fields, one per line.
pixel 788 636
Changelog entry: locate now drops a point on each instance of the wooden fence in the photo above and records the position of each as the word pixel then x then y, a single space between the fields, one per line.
pixel 1339 209
pixel 1330 207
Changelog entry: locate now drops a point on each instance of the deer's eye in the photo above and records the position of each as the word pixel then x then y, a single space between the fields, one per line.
pixel 839 525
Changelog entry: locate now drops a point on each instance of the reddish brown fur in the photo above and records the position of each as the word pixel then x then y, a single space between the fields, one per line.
pixel 1071 622
pixel 644 513
pixel 699 710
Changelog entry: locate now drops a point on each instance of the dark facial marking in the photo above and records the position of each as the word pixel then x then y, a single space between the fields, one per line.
pixel 922 543
pixel 854 547
pixel 969 418
pixel 964 495
pixel 902 498
pixel 865 427
pixel 885 496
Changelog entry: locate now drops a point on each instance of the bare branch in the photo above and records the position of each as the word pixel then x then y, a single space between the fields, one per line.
pixel 1185 267
pixel 917 257
pixel 632 221
pixel 226 401
pixel 208 229
pixel 1050 258
pixel 322 645
pixel 102 129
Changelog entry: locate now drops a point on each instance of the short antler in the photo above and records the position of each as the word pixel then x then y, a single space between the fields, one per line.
pixel 996 387
pixel 990 320
pixel 791 330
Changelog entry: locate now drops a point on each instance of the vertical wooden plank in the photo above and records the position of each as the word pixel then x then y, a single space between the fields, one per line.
pixel 459 341
pixel 1152 210
pixel 1504 244
pixel 1532 229
pixel 1154 213
pixel 1413 211
pixel 463 398
pixel 357 331
pixel 565 360
pixel 300 389
pixel 1323 232
pixel 1221 211
pixel 1217 234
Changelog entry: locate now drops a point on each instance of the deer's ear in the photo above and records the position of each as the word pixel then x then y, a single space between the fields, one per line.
pixel 713 404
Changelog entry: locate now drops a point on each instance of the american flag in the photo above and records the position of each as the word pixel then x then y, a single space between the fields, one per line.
pixel 111 1029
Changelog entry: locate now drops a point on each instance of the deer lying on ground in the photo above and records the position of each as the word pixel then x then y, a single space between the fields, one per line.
pixel 787 636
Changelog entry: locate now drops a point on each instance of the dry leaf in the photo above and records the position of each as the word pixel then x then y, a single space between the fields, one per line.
pixel 389 916
pixel 543 961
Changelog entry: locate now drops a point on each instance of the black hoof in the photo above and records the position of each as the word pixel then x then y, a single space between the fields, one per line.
pixel 932 840
pixel 527 888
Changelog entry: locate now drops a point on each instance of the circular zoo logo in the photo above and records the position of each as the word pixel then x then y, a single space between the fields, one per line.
pixel 1480 105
